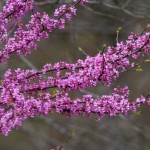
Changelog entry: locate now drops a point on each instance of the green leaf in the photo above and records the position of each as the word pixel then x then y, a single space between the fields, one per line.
pixel 138 113
pixel 80 49
pixel 147 60
pixel 139 68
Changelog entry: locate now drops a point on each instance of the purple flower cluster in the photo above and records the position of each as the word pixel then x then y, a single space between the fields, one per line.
pixel 19 107
pixel 25 93
pixel 13 10
pixel 38 27
pixel 62 9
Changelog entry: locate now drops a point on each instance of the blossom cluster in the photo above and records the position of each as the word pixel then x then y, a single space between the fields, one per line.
pixel 13 10
pixel 39 26
pixel 25 93
pixel 84 73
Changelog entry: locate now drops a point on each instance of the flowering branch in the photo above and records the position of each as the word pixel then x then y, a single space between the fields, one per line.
pixel 39 26
pixel 25 94
pixel 13 10
pixel 18 86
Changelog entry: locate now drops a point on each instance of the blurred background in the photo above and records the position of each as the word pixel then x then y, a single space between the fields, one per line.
pixel 95 25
